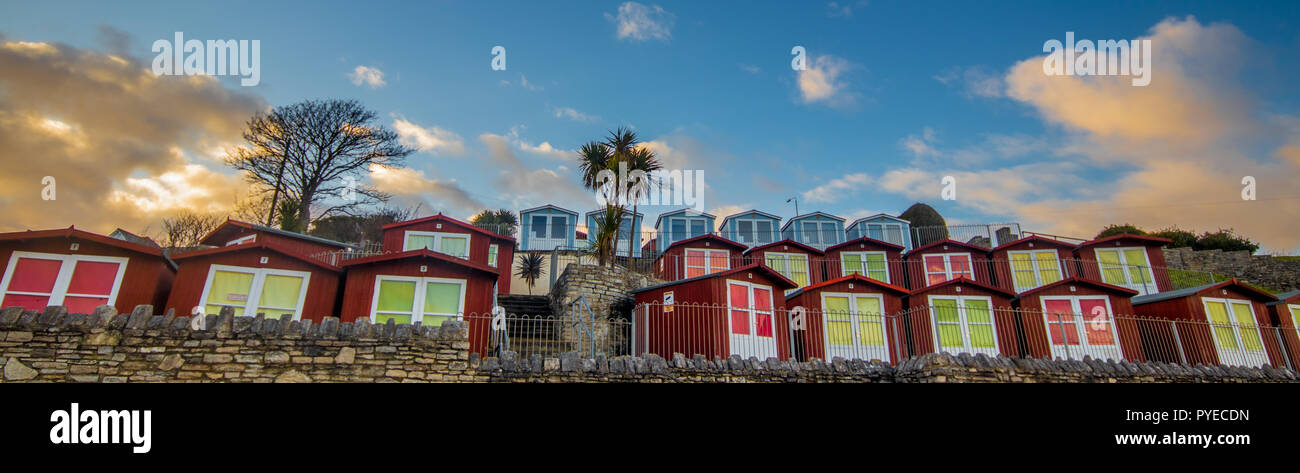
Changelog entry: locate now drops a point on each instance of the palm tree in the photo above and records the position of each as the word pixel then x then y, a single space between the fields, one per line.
pixel 529 268
pixel 501 221
pixel 620 148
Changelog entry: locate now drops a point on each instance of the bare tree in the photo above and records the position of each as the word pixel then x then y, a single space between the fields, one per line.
pixel 315 154
pixel 186 228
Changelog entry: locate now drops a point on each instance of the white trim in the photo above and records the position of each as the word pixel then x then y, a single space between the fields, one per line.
pixel 1143 289
pixel 251 306
pixel 1241 354
pixel 855 349
pixel 1033 266
pixel 60 289
pixel 417 304
pixel 1114 351
pixel 1295 319
pixel 437 241
pixel 947 266
pixel 242 239
pixel 708 261
pixel 786 258
pixel 494 253
pixel 756 345
pixel 964 323
pixel 862 254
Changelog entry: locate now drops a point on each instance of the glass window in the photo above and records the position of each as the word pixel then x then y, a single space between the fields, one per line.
pixel 538 224
pixel 964 323
pixel 705 261
pixel 945 266
pixel 429 301
pixel 830 233
pixel 870 264
pixel 677 229
pixel 250 291
pixel 745 231
pixel 560 228
pixel 492 255
pixel 1031 269
pixel 810 235
pixel 78 282
pixel 790 265
pixel 697 228
pixel 1127 267
pixel 894 234
pixel 454 244
pixel 764 232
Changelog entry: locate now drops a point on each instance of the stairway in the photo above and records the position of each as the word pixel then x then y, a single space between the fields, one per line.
pixel 525 305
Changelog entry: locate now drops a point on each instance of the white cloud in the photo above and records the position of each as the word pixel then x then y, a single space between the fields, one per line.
pixel 641 23
pixel 545 149
pixel 410 186
pixel 973 82
pixel 843 9
pixel 838 188
pixel 921 146
pixel 570 113
pixel 523 81
pixel 823 82
pixel 433 140
pixel 371 76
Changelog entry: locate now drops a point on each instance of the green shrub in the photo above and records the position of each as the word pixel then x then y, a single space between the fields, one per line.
pixel 1112 230
pixel 1224 240
pixel 1181 238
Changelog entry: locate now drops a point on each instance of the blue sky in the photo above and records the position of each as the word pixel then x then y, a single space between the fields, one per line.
pixel 919 88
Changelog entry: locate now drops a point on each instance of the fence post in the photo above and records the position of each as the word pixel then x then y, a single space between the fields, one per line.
pixel 555 252
pixel 1178 342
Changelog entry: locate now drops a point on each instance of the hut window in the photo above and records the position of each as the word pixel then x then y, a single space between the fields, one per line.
pixel 945 266
pixel 964 324
pixel 1080 325
pixel 408 300
pixel 867 263
pixel 790 265
pixel 1031 269
pixel 1236 331
pixel 454 244
pixel 1127 267
pixel 274 292
pixel 492 255
pixel 750 313
pixel 706 261
pixel 78 282
pixel 854 325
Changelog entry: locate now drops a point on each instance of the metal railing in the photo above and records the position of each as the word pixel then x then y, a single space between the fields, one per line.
pixel 983 235
pixel 549 335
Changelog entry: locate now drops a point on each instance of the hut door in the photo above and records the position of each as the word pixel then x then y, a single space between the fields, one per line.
pixel 1079 326
pixel 78 282
pixel 854 326
pixel 750 311
pixel 1236 332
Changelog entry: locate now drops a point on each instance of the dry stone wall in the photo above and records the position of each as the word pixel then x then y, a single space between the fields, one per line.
pixel 1263 270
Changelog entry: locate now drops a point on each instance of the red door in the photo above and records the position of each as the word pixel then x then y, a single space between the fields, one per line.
pixel 80 283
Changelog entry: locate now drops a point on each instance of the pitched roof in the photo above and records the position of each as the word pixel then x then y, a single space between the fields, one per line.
pixel 1075 280
pixel 852 277
pixel 706 236
pixel 254 245
pixel 1283 296
pixel 747 212
pixel 549 206
pixel 1038 239
pixel 690 212
pixel 963 280
pixel 786 241
pixel 73 232
pixel 1129 236
pixel 866 240
pixel 891 217
pixel 978 249
pixel 786 282
pixel 1191 291
pixel 444 218
pixel 215 237
pixel 124 235
pixel 810 214
pixel 421 253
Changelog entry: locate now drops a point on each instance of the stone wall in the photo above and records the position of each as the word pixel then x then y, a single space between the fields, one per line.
pixel 54 346
pixel 1263 270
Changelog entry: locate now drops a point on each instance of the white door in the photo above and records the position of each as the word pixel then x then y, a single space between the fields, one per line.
pixel 750 320
pixel 1081 325
pixel 854 326
pixel 1236 331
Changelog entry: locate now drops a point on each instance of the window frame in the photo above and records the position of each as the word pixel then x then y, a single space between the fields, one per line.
pixel 494 252
pixel 1076 308
pixel 947 266
pixel 751 313
pixel 1033 262
pixel 807 259
pixel 255 290
pixel 59 292
pixel 755 237
pixel 437 241
pixel 708 260
pixel 417 302
pixel 862 254
pixel 964 324
pixel 1125 265
pixel 857 346
pixel 1236 328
